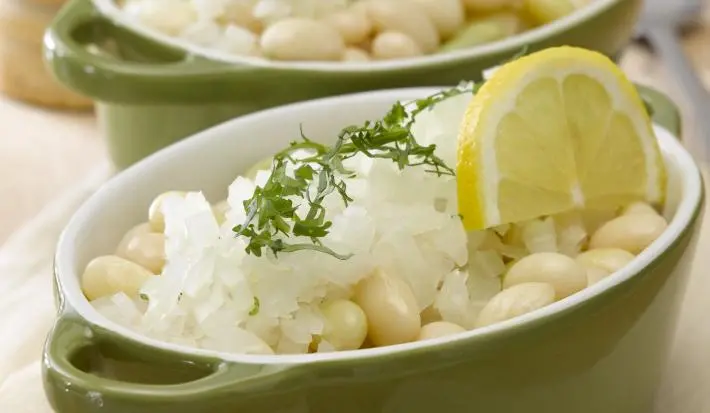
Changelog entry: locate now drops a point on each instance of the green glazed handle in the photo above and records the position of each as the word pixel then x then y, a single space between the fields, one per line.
pixel 662 110
pixel 74 376
pixel 112 78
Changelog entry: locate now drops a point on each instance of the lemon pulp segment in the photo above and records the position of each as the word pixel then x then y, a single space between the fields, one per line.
pixel 556 130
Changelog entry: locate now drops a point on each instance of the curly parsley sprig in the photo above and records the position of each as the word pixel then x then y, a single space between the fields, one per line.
pixel 271 211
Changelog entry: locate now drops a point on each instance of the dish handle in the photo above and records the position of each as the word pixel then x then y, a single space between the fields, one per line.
pixel 662 110
pixel 108 62
pixel 88 369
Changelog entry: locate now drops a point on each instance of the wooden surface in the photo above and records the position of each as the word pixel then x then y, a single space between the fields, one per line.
pixel 22 69
pixel 44 153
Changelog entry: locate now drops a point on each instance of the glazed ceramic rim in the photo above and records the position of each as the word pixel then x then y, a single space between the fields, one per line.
pixel 672 150
pixel 513 44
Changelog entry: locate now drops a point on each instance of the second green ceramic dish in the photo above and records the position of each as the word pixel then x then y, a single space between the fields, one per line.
pixel 601 350
pixel 150 94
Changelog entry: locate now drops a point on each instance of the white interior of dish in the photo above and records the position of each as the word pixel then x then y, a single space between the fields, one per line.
pixel 516 43
pixel 211 160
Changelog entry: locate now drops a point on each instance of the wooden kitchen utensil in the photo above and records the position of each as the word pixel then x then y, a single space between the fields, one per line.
pixel 22 72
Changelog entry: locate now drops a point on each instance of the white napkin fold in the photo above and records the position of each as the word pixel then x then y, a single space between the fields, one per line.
pixel 27 306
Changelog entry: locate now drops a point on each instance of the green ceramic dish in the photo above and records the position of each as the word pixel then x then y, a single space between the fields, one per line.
pixel 152 91
pixel 601 350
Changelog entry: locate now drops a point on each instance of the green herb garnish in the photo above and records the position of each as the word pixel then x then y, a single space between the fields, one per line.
pixel 254 310
pixel 271 216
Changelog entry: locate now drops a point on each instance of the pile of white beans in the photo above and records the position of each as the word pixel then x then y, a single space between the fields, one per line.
pixel 344 30
pixel 383 310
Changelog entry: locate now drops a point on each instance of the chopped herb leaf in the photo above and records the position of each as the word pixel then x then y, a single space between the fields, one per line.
pixel 272 217
pixel 255 307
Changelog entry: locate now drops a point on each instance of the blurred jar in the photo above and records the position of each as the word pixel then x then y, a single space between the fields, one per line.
pixel 23 74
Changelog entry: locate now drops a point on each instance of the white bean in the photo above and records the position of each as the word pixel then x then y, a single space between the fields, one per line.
pixel 302 39
pixel 391 309
pixel 562 272
pixel 404 17
pixel 487 29
pixel 155 213
pixel 109 274
pixel 359 7
pixel 545 11
pixel 447 15
pixel 487 5
pixel 237 40
pixel 353 26
pixel 439 329
pixel 594 219
pixel 345 324
pixel 632 233
pixel 430 315
pixel 240 14
pixel 354 54
pixel 596 274
pixel 609 259
pixel 639 208
pixel 394 45
pixel 515 301
pixel 168 16
pixel 145 249
pixel 143 228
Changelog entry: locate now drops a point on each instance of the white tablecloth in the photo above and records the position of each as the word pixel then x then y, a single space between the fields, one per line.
pixel 27 307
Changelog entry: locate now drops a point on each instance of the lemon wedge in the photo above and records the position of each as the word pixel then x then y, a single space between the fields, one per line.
pixel 557 130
